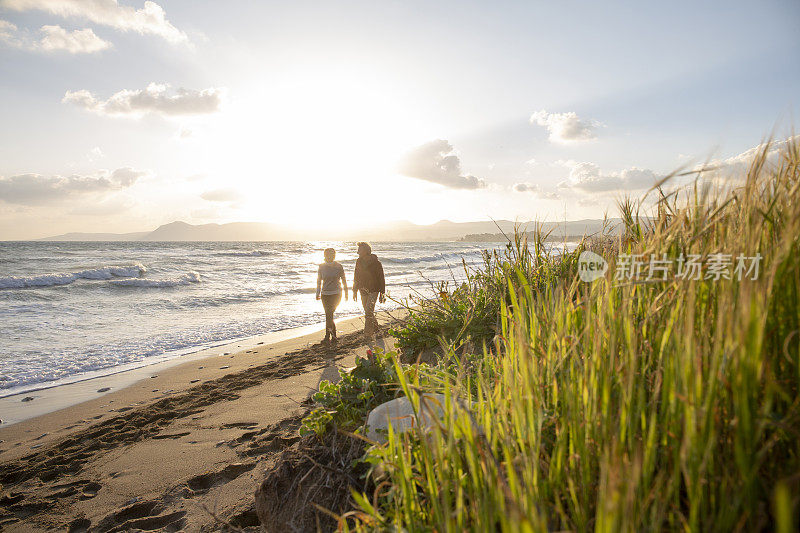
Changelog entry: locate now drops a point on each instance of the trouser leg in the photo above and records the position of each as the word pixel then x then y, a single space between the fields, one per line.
pixel 328 321
pixel 368 300
pixel 329 303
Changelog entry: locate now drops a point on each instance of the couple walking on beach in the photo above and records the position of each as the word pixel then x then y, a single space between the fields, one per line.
pixel 368 280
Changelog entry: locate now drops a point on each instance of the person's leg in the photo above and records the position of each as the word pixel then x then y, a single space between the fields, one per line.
pixel 374 301
pixel 373 298
pixel 327 304
pixel 368 301
pixel 335 299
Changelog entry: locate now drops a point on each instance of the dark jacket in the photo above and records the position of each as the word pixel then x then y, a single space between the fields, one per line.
pixel 369 275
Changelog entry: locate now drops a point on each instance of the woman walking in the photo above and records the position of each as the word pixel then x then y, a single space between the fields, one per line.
pixel 329 290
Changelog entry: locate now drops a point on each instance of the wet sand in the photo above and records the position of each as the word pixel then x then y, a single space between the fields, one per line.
pixel 179 449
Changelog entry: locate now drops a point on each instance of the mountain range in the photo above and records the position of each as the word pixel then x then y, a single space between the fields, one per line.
pixel 443 230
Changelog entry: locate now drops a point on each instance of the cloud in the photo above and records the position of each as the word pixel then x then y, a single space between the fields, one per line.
pixel 587 177
pixel 35 189
pixel 8 33
pixel 113 206
pixel 735 168
pixel 221 195
pixel 151 19
pixel 75 42
pixel 566 127
pixel 95 154
pixel 526 187
pixel 435 162
pixel 54 39
pixel 154 99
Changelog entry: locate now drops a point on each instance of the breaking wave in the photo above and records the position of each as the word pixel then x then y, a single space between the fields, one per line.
pixel 65 278
pixel 186 279
pixel 253 253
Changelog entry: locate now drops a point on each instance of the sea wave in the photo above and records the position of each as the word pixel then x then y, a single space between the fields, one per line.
pixel 301 290
pixel 65 278
pixel 431 258
pixel 186 279
pixel 252 253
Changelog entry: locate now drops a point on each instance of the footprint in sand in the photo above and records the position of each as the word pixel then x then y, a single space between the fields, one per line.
pixel 244 425
pixel 202 483
pixel 90 490
pixel 79 525
pixel 170 436
pixel 143 516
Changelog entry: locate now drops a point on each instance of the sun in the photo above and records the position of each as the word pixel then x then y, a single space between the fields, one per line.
pixel 310 143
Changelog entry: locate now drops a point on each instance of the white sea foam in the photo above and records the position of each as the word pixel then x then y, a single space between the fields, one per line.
pixel 431 258
pixel 253 253
pixel 65 278
pixel 302 290
pixel 186 279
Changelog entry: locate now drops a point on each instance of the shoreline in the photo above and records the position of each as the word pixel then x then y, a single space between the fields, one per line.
pixel 158 453
pixel 52 397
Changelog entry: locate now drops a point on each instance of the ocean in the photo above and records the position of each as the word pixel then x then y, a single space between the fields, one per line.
pixel 73 309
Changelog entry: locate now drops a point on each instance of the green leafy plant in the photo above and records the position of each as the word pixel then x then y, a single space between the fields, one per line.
pixel 346 404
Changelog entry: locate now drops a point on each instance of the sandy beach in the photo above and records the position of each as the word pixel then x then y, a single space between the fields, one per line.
pixel 169 446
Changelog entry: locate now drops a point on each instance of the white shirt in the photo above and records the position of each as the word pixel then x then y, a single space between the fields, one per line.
pixel 328 277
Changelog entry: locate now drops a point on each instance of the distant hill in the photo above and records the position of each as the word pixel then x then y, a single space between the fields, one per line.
pixel 443 230
pixel 137 236
pixel 235 231
pixel 570 231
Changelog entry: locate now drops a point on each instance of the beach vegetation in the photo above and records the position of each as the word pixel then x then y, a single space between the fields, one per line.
pixel 631 403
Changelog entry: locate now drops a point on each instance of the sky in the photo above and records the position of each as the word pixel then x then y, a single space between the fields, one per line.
pixel 119 116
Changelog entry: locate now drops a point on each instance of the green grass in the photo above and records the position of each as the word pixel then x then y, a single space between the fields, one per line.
pixel 611 406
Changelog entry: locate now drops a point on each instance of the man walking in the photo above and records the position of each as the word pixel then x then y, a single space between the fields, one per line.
pixel 369 281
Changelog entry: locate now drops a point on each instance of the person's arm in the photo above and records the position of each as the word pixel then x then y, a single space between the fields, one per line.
pixel 344 281
pixel 356 279
pixel 381 283
pixel 319 281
